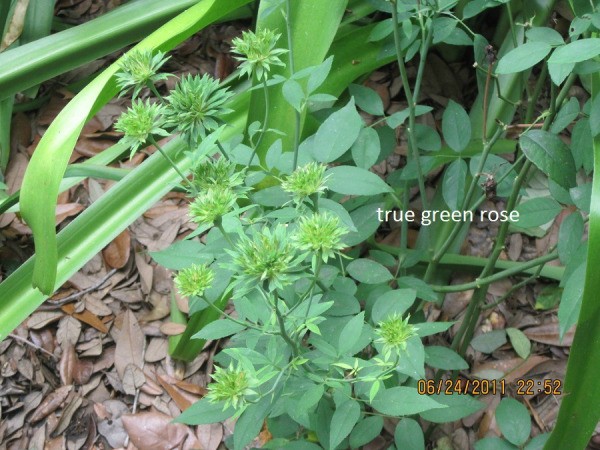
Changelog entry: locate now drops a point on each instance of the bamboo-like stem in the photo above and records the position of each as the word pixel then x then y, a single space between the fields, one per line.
pixel 414 149
pixel 265 121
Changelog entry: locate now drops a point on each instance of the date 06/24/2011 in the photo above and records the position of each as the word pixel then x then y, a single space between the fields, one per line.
pixel 522 386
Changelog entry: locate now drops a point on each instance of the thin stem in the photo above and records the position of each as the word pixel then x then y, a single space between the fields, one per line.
pixel 222 150
pixel 152 87
pixel 297 115
pixel 282 330
pixel 411 105
pixel 168 158
pixel 479 282
pixel 219 225
pixel 536 93
pixel 266 120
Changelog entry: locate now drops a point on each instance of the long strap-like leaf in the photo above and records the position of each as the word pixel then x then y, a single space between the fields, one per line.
pixel 48 164
pixel 580 408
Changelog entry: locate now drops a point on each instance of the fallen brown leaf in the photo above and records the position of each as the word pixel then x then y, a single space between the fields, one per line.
pixel 116 254
pixel 130 344
pixel 154 431
pixel 86 317
pixel 51 403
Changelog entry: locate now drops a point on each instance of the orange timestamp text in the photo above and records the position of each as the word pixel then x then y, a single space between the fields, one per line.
pixel 523 386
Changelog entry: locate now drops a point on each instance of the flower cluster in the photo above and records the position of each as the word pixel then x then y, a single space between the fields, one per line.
pixel 266 257
pixel 219 173
pixel 195 106
pixel 305 181
pixel 320 233
pixel 258 52
pixel 231 386
pixel 140 122
pixel 194 280
pixel 139 69
pixel 394 333
pixel 210 206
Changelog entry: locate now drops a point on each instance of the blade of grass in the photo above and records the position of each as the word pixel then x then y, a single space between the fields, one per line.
pixel 580 408
pixel 35 62
pixel 47 166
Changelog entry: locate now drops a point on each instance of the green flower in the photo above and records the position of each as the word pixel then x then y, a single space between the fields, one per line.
pixel 321 233
pixel 211 205
pixel 139 123
pixel 231 386
pixel 139 69
pixel 194 280
pixel 266 257
pixel 219 173
pixel 393 334
pixel 305 181
pixel 195 105
pixel 258 52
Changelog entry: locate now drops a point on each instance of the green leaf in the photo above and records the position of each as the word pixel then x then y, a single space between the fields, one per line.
pixel 453 184
pixel 366 149
pixel 488 342
pixel 595 117
pixel 204 412
pixel 351 333
pixel 367 99
pixel 318 75
pixel 523 57
pixel 368 271
pixel 569 236
pixel 456 127
pixel 577 51
pixel 398 118
pixel 392 302
pixel 538 442
pixel 250 423
pixel 344 418
pixel 537 211
pixel 548 298
pixel 457 407
pixel 581 145
pixel 349 180
pixel 551 155
pixel 427 138
pixel 294 94
pixel 428 328
pixel 408 435
pixel 560 72
pixel 442 28
pixel 582 196
pixel 514 421
pixel 182 254
pixel 498 167
pixel 365 221
pixel 570 302
pixel 494 443
pixel 337 134
pixel 365 431
pixel 520 342
pixel 567 114
pixel 424 291
pixel 444 358
pixel 219 329
pixel 414 365
pixel 544 34
pixel 403 401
